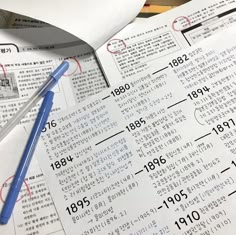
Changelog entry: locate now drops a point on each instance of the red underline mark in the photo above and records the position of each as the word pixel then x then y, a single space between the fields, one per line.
pixel 4 71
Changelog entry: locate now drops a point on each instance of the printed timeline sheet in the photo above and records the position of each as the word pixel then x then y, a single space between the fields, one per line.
pixel 138 46
pixel 154 154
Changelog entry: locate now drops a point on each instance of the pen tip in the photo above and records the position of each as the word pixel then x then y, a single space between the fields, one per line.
pixel 3 220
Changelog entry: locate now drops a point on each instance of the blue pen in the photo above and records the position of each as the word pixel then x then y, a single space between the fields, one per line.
pixel 47 86
pixel 26 157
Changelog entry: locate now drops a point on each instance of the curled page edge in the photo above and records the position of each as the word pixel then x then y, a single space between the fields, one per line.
pixel 92 21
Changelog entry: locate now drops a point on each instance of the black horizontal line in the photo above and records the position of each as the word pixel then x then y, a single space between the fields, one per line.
pixel 177 103
pixel 138 172
pixel 159 207
pixel 109 137
pixel 191 28
pixel 160 70
pixel 232 193
pixel 227 12
pixel 106 97
pixel 225 170
pixel 202 136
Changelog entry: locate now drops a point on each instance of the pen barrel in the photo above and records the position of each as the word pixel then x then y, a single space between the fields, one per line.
pixel 24 109
pixel 46 86
pixel 26 157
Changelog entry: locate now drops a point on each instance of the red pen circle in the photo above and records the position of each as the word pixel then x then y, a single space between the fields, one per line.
pixel 74 66
pixel 181 23
pixel 116 46
pixel 21 197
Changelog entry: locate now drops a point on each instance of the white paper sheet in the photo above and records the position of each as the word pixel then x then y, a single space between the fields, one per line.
pixel 153 154
pixel 35 39
pixel 92 21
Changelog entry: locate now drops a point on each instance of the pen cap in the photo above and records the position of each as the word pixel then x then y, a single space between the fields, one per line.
pixel 61 69
pixel 54 77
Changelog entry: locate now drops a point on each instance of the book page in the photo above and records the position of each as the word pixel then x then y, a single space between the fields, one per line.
pixel 22 21
pixel 92 21
pixel 136 47
pixel 4 17
pixel 154 154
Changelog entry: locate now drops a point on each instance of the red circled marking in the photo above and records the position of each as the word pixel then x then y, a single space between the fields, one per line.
pixel 178 18
pixel 118 51
pixel 26 185
pixel 77 66
pixel 4 71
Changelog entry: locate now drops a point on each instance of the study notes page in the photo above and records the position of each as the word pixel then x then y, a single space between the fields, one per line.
pixel 136 47
pixel 154 154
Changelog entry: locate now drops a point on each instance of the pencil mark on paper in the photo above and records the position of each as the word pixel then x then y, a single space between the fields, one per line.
pixel 195 116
